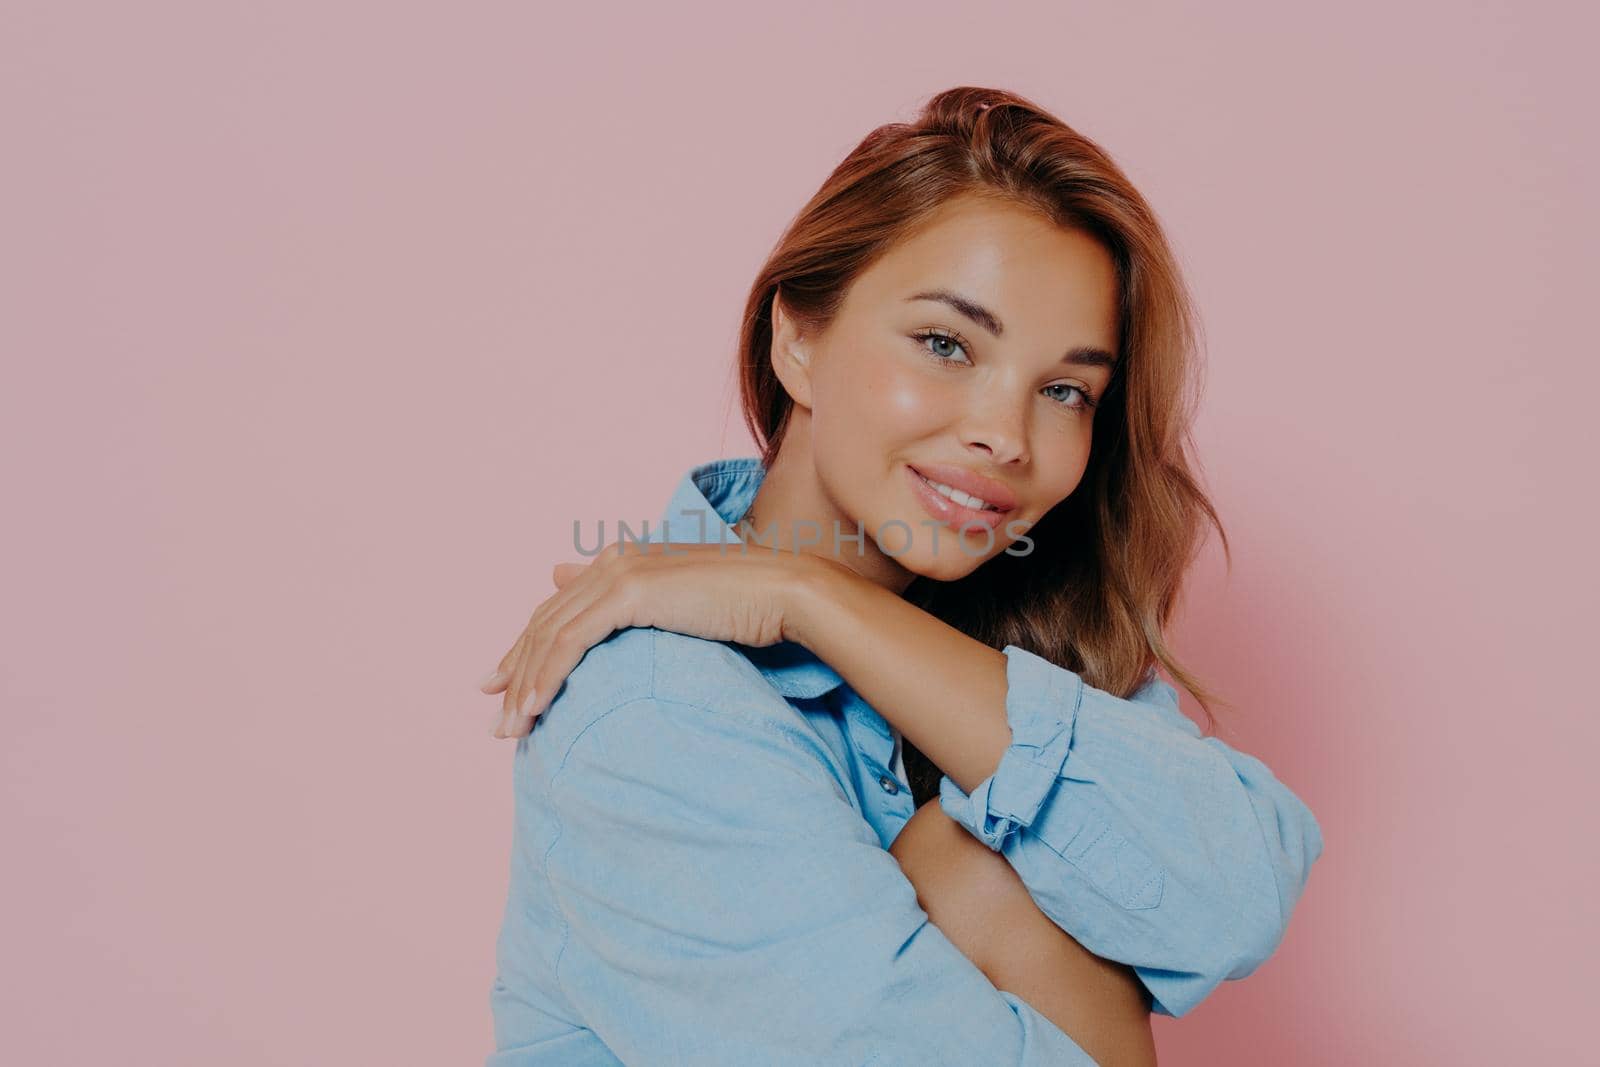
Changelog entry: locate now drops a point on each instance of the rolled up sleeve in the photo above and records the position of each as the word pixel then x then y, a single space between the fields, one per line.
pixel 1151 845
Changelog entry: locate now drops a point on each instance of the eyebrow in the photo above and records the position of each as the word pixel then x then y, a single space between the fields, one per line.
pixel 1087 355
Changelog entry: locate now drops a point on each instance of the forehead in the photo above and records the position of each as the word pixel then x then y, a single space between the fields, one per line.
pixel 1043 279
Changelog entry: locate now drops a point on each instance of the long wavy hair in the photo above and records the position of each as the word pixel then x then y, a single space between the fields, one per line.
pixel 1108 562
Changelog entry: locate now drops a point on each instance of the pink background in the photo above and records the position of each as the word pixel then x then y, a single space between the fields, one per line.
pixel 323 321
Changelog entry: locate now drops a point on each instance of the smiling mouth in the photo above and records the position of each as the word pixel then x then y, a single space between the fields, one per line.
pixel 956 496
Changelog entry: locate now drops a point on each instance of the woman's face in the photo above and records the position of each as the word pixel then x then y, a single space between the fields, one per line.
pixel 970 353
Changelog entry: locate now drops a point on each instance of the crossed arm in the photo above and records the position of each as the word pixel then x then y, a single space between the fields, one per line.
pixel 1150 845
pixel 725 903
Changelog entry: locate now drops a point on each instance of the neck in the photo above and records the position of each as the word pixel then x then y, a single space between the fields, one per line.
pixel 792 506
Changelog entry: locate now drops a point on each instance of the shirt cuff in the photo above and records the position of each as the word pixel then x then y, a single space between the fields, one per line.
pixel 1042 702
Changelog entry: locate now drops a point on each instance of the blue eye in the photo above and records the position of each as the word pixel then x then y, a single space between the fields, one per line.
pixel 1086 401
pixel 924 336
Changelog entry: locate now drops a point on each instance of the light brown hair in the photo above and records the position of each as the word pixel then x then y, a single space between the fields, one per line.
pixel 1095 593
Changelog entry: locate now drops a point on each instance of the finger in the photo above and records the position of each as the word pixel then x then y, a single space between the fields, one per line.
pixel 619 552
pixel 518 692
pixel 496 682
pixel 517 688
pixel 566 572
pixel 526 697
pixel 502 672
pixel 517 657
pixel 561 644
pixel 555 661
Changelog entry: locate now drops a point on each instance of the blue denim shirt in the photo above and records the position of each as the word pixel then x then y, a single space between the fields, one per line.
pixel 700 874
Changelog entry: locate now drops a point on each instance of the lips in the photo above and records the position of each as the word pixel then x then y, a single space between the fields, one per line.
pixel 948 511
pixel 973 484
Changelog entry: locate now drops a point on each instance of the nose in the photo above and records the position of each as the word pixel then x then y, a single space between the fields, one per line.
pixel 997 427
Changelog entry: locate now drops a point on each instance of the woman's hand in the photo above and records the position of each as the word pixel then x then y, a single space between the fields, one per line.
pixel 718 592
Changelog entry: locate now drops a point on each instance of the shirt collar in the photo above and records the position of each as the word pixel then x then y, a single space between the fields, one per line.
pixel 709 500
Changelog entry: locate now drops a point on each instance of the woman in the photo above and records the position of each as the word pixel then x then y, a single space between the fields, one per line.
pixel 966 365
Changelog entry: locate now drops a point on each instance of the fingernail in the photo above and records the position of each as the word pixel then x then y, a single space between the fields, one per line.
pixel 494 723
pixel 491 679
pixel 528 703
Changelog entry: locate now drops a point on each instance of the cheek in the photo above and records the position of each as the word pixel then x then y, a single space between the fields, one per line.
pixel 911 402
pixel 879 398
pixel 1065 455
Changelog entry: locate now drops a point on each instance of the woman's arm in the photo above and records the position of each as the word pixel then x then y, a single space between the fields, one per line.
pixel 723 902
pixel 1151 845
pixel 937 686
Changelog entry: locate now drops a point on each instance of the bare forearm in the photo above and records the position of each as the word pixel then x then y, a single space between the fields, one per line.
pixel 943 690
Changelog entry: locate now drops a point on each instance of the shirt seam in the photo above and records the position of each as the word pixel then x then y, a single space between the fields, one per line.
pixel 555 811
pixel 555 807
pixel 736 468
pixel 724 475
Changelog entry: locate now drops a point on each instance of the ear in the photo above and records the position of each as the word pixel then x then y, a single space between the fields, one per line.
pixel 791 356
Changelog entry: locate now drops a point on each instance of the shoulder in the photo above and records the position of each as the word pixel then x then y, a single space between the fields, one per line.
pixel 641 666
pixel 660 721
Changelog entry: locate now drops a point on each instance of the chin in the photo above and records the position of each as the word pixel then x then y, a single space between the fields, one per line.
pixel 948 565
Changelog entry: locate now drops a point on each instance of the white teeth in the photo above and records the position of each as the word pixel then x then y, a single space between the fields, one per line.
pixel 964 499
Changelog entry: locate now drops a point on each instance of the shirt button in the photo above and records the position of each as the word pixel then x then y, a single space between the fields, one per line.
pixel 890 786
